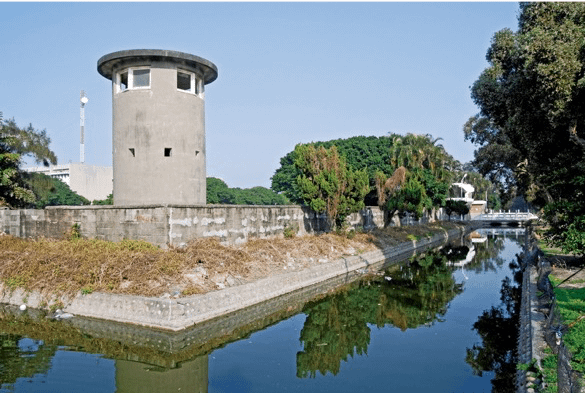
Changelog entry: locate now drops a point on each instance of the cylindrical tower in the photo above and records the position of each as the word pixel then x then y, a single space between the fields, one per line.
pixel 158 125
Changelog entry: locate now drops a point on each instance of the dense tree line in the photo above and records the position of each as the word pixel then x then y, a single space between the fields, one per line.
pixel 531 127
pixel 361 153
pixel 404 174
pixel 218 192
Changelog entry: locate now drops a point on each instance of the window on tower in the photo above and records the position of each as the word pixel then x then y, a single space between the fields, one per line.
pixel 141 78
pixel 184 81
pixel 123 80
pixel 133 78
pixel 189 82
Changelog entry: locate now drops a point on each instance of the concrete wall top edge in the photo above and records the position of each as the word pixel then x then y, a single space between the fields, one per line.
pixel 97 207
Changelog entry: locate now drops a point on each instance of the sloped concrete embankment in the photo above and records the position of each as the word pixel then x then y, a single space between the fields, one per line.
pixel 181 313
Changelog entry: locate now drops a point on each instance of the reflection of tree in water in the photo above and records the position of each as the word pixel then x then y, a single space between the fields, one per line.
pixel 498 329
pixel 418 294
pixel 337 326
pixel 23 358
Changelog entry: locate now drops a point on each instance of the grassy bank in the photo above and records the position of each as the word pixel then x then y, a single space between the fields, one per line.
pixel 569 290
pixel 68 266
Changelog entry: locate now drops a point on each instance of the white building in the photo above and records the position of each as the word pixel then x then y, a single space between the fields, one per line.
pixel 90 181
pixel 464 192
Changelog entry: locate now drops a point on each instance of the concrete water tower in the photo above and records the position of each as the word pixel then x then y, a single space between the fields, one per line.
pixel 158 110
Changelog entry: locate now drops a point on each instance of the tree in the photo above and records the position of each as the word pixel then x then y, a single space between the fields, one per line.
pixel 326 183
pixel 374 155
pixel 532 96
pixel 495 158
pixel 12 189
pixel 108 201
pixel 49 191
pixel 218 192
pixel 386 187
pixel 458 207
pixel 29 142
pixel 410 198
pixel 422 152
pixel 361 153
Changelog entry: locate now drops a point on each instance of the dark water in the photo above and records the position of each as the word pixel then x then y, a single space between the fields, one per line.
pixel 438 324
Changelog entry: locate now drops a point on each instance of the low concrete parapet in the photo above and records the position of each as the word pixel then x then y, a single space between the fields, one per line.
pixel 175 225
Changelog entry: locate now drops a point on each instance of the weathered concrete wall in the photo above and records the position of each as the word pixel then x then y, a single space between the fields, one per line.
pixel 176 225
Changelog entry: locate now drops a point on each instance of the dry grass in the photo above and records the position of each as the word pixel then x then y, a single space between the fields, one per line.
pixel 136 267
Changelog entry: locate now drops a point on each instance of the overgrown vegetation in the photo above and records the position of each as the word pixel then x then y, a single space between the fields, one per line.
pixel 326 183
pixel 571 305
pixel 218 192
pixel 549 371
pixel 137 267
pixel 569 291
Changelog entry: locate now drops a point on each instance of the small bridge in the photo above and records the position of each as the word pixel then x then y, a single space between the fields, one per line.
pixel 505 218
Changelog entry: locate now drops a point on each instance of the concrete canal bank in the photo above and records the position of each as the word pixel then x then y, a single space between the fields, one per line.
pixel 531 321
pixel 540 327
pixel 182 313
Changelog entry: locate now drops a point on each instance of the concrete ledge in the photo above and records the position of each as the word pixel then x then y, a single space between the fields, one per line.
pixel 531 319
pixel 182 313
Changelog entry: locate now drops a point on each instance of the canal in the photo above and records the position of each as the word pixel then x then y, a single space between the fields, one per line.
pixel 441 323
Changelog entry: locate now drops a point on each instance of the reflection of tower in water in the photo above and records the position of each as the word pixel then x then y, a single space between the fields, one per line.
pixel 134 377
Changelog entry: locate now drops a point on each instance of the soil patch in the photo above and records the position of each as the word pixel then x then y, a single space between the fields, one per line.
pixel 568 271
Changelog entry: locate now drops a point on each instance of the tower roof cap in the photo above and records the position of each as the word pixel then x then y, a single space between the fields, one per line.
pixel 106 64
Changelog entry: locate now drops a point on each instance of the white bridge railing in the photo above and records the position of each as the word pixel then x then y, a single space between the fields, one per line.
pixel 506 216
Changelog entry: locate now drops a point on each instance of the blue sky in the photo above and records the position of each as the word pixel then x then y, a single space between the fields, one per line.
pixel 288 72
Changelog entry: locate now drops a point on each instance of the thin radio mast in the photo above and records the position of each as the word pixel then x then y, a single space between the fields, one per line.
pixel 83 99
